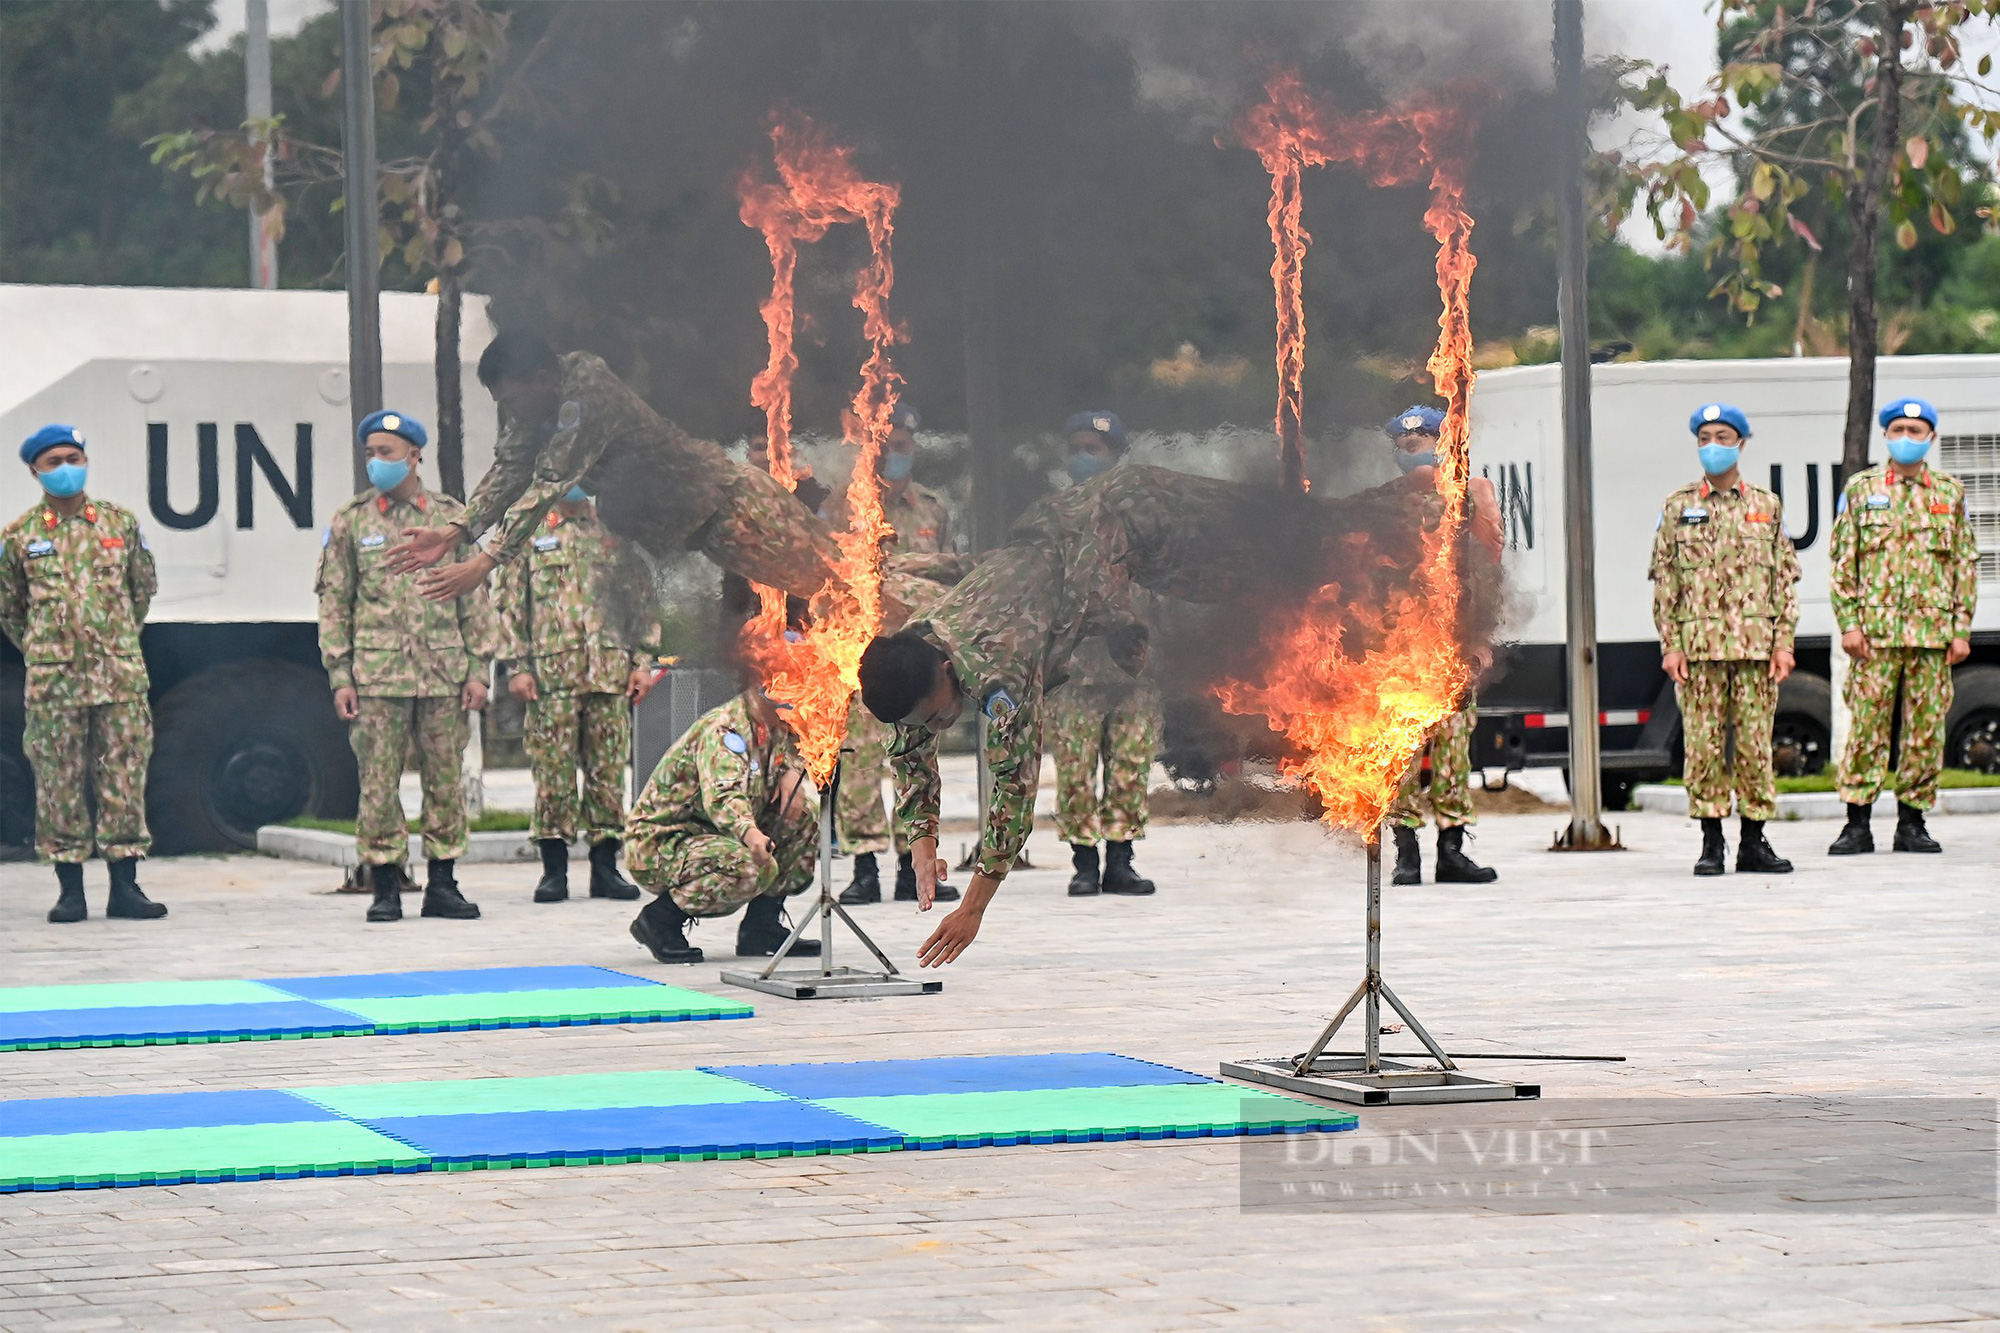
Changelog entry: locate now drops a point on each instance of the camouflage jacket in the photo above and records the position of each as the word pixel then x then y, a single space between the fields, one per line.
pixel 918 514
pixel 73 593
pixel 717 778
pixel 376 632
pixel 552 614
pixel 1905 563
pixel 606 437
pixel 1725 577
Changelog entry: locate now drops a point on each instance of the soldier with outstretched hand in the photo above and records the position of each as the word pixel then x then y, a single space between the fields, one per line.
pixel 75 582
pixel 568 421
pixel 404 670
pixel 1726 605
pixel 1905 582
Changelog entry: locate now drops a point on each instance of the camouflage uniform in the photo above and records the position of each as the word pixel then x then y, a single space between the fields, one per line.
pixel 1102 718
pixel 409 658
pixel 553 625
pixel 1906 574
pixel 1449 793
pixel 1725 594
pixel 73 593
pixel 922 527
pixel 686 834
pixel 655 484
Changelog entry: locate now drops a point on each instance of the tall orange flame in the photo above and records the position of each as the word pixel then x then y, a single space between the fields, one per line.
pixel 816 670
pixel 1357 679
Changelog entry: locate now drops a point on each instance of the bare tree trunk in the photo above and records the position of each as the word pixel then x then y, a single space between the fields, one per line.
pixel 450 411
pixel 1864 207
pixel 444 205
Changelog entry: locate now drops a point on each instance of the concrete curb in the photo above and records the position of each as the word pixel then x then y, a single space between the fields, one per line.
pixel 337 849
pixel 1672 800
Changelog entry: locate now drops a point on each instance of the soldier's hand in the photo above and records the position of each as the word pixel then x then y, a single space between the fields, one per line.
pixel 456 580
pixel 1676 667
pixel 1782 663
pixel 347 703
pixel 421 547
pixel 639 686
pixel 932 870
pixel 760 847
pixel 472 697
pixel 952 937
pixel 522 686
pixel 1855 644
pixel 1958 652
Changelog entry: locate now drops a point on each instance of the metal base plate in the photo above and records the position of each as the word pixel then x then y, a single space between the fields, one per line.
pixel 839 984
pixel 1340 1079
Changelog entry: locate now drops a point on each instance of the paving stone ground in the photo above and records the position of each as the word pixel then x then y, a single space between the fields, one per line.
pixel 1875 976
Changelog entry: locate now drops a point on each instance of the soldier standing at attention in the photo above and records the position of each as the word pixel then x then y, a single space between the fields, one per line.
pixel 724 823
pixel 75 581
pixel 1414 433
pixel 579 686
pixel 922 527
pixel 1905 582
pixel 402 669
pixel 1725 604
pixel 1101 719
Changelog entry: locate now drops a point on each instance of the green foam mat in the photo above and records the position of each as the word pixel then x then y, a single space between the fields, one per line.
pixel 135 994
pixel 1071 1115
pixel 208 1153
pixel 542 1008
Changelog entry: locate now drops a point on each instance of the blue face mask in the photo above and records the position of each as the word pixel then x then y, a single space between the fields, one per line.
pixel 896 467
pixel 1082 467
pixel 386 476
pixel 64 481
pixel 1411 462
pixel 576 494
pixel 1908 451
pixel 1717 459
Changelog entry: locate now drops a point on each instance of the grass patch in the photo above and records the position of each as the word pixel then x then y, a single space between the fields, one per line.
pixel 1825 782
pixel 493 821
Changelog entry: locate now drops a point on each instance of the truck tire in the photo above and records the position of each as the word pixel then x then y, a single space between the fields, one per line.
pixel 17 779
pixel 241 745
pixel 1802 733
pixel 1972 732
pixel 1614 787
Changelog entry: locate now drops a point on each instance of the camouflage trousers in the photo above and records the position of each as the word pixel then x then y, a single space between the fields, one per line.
pixel 1115 733
pixel 382 737
pixel 763 533
pixel 568 733
pixel 95 755
pixel 864 819
pixel 1871 698
pixel 1716 696
pixel 712 874
pixel 1449 795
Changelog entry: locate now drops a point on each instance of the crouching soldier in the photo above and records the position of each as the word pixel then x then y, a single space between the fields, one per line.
pixel 725 822
pixel 75 581
pixel 403 670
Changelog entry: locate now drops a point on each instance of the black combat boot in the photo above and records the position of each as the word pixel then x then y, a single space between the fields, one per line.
pixel 1911 835
pixel 866 886
pixel 128 900
pixel 1084 883
pixel 442 898
pixel 554 885
pixel 605 881
pixel 662 927
pixel 1454 866
pixel 1409 858
pixel 70 905
pixel 1119 876
pixel 1714 851
pixel 1753 853
pixel 1855 838
pixel 400 873
pixel 388 904
pixel 762 930
pixel 906 883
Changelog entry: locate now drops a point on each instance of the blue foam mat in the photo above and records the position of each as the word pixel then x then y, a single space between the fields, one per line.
pixel 723 1127
pixel 458 981
pixel 191 1020
pixel 968 1073
pixel 155 1110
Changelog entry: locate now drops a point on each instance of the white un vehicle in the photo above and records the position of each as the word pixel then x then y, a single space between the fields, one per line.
pixel 221 419
pixel 1642 451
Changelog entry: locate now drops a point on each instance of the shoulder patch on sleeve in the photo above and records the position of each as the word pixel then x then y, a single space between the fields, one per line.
pixel 326 536
pixel 999 705
pixel 570 415
pixel 734 743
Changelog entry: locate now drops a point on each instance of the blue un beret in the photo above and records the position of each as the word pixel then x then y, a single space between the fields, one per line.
pixel 1709 413
pixel 47 438
pixel 395 423
pixel 906 416
pixel 1106 424
pixel 1414 421
pixel 1907 409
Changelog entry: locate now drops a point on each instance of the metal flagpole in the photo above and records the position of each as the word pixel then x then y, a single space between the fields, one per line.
pixel 364 305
